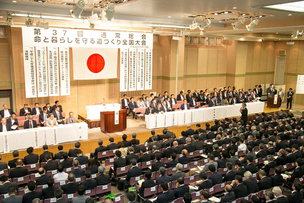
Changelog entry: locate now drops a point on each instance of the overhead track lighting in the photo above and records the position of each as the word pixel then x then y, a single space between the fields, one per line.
pixel 298 34
pixel 194 25
pixel 9 20
pixel 238 23
pixel 29 22
pixel 42 24
pixel 205 24
pixel 110 12
pixel 251 25
pixel 77 9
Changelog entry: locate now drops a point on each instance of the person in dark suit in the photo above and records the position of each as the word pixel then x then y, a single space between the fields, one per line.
pixel 6 112
pixel 212 102
pixel 13 121
pixel 145 156
pixel 25 110
pixel 207 183
pixel 230 174
pixel 59 155
pixel 12 163
pixel 19 171
pixel 48 192
pixel 173 161
pixel 244 112
pixel 279 196
pixel 48 108
pixel 180 97
pixel 30 123
pixel 180 189
pixel 78 172
pixel 4 126
pixel 132 107
pixel 72 152
pixel 229 195
pixel 296 195
pixel 265 182
pixel 166 196
pixel 279 143
pixel 31 158
pixel 57 105
pixel 3 165
pixel 277 178
pixel 250 166
pixel 158 163
pixel 271 164
pixel 5 184
pixel 112 144
pixel 131 155
pixel 28 197
pixel 147 183
pixel 239 189
pixel 66 163
pixel 282 158
pixel 71 186
pixel 50 164
pixel 193 102
pixel 118 163
pixel 36 110
pixel 150 110
pixel 184 159
pixel 172 101
pixel 58 115
pixel 178 172
pixel 269 197
pixel 125 102
pixel 101 148
pixel 43 116
pixel 162 177
pixel 185 106
pixel 102 179
pixel 216 177
pixel 89 183
pixel 250 183
pixel 297 173
pixel 13 198
pixel 133 172
pixel 81 158
pixel 42 180
pixel 221 163
pixel 58 195
pixel 271 150
pixel 46 152
pixel 289 98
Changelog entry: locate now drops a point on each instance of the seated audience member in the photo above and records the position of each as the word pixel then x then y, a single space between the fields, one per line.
pixel 89 183
pixel 166 196
pixel 73 152
pixel 296 195
pixel 12 163
pixel 229 195
pixel 42 180
pixel 4 126
pixel 150 110
pixel 204 196
pixel 25 110
pixel 277 178
pixel 216 177
pixel 81 158
pixel 250 166
pixel 58 195
pixel 48 108
pixel 206 183
pixel 173 161
pixel 66 163
pixel 112 144
pixel 133 172
pixel 59 155
pixel 255 199
pixel 36 110
pixel 185 106
pixel 13 121
pixel 118 163
pixel 131 155
pixel 71 119
pixel 92 166
pixel 222 162
pixel 51 121
pixel 81 197
pixel 30 123
pixel 50 164
pixel 31 158
pixel 162 177
pixel 297 173
pixel 13 198
pixel 102 179
pixel 61 175
pixel 250 183
pixel 58 115
pixel 19 171
pixel 71 186
pixel 78 172
pixel 131 197
pixel 271 164
pixel 32 194
pixel 145 156
pixel 101 148
pixel 181 188
pixel 278 195
pixel 184 159
pixel 230 174
pixel 147 183
pixel 178 172
pixel 48 192
pixel 6 112
pixel 239 189
pixel 210 162
pixel 6 184
pixel 158 163
pixel 269 197
pixel 43 117
pixel 132 107
pixel 124 141
pixel 3 165
pixel 264 182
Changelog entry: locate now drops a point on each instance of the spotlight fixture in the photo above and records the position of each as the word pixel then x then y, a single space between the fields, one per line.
pixel 92 26
pixel 9 20
pixel 238 23
pixel 93 18
pixel 42 24
pixel 110 12
pixel 251 25
pixel 298 34
pixel 194 25
pixel 205 24
pixel 202 33
pixel 77 9
pixel 29 22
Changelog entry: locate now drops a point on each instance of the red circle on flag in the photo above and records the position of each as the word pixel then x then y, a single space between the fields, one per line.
pixel 95 63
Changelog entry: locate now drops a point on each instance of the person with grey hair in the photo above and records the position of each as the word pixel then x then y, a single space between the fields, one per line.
pixel 162 177
pixel 250 183
pixel 71 118
pixel 279 196
pixel 51 121
pixel 30 123
pixel 265 182
pixel 102 179
pixel 178 172
pixel 269 196
pixel 58 195
pixel 36 200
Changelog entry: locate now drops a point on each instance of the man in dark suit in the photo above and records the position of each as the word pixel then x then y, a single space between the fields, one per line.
pixel 119 162
pixel 207 183
pixel 297 173
pixel 250 183
pixel 57 105
pixel 180 97
pixel 58 195
pixel 193 102
pixel 185 106
pixel 42 156
pixel 265 182
pixel 271 164
pixel 5 184
pixel 132 106
pixel 13 121
pixel 131 155
pixel 36 110
pixel 42 180
pixel 148 183
pixel 25 110
pixel 13 198
pixel 58 115
pixel 198 145
pixel 271 150
pixel 31 158
pixel 230 174
pixel 229 195
pixel 158 163
pixel 180 189
pixel 279 196
pixel 125 102
pixel 43 116
pixel 162 176
pixel 277 178
pixel 71 186
pixel 59 155
pixel 166 196
pixel 212 102
pixel 3 165
pixel 89 183
pixel 173 161
pixel 72 152
pixel 133 172
pixel 250 166
pixel 239 189
pixel 244 112
pixel 81 158
pixel 28 197
pixel 101 148
pixel 4 126
pixel 66 163
pixel 261 153
pixel 19 171
pixel 30 123
pixel 6 112
pixel 279 143
pixel 48 108
pixel 296 195
pixel 145 156
pixel 172 101
pixel 221 163
pixel 102 179
pixel 216 177
pixel 48 192
pixel 50 164
pixel 78 172
pixel 112 144
pixel 149 110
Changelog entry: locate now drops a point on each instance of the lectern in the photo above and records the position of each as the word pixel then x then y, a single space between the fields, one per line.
pixel 107 121
pixel 273 102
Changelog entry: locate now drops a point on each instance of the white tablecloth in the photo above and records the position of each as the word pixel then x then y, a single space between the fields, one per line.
pixel 93 112
pixel 177 118
pixel 37 137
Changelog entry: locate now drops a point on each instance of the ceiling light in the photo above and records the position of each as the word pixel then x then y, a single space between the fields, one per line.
pixel 289 14
pixel 260 16
pixel 9 20
pixel 216 14
pixel 297 6
pixel 298 34
pixel 29 22
pixel 226 12
pixel 92 26
pixel 251 25
pixel 42 24
pixel 238 23
pixel 242 39
pixel 93 18
pixel 234 7
pixel 244 14
pixel 168 26
pixel 202 33
pixel 45 17
pixel 110 12
pixel 205 24
pixel 77 9
pixel 1 16
pixel 169 16
pixel 194 25
pixel 14 1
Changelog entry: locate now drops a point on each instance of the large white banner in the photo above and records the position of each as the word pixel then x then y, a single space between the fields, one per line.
pixel 53 71
pixel 148 73
pixel 132 69
pixel 64 70
pixel 29 72
pixel 140 69
pixel 58 37
pixel 300 84
pixel 42 73
pixel 124 59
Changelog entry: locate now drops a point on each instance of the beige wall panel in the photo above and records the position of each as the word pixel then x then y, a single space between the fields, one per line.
pixel 270 56
pixel 256 57
pixel 292 58
pixel 221 61
pixel 191 57
pixel 250 50
pixel 241 58
pixel 5 75
pixel 212 60
pixel 300 61
pixel 231 55
pixel 202 61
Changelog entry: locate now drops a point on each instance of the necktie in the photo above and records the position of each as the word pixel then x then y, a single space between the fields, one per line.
pixel 30 124
pixel 58 115
pixel 44 117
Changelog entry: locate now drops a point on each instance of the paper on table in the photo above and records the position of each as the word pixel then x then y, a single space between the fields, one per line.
pixel 199 168
pixel 140 181
pixel 193 187
pixel 214 199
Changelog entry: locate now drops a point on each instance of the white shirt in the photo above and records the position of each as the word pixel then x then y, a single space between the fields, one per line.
pixel 182 97
pixel 173 101
pixel 194 103
pixel 37 111
pixel 185 107
pixel 242 147
pixel 26 110
pixel 13 121
pixel 169 105
pixel 4 128
pixel 126 102
pixel 60 177
pixel 6 113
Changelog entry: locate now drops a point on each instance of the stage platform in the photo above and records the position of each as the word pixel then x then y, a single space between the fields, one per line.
pixel 137 126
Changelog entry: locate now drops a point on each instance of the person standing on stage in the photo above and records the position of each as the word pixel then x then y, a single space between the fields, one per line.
pixel 244 112
pixel 281 93
pixel 289 98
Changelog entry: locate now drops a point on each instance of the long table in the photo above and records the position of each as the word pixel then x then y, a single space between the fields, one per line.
pixel 176 118
pixel 37 137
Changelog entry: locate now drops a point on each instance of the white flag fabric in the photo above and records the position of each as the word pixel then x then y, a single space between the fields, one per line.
pixel 94 63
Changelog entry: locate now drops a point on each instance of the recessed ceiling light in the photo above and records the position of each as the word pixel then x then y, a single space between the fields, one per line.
pixel 260 16
pixel 14 1
pixel 289 14
pixel 244 14
pixel 234 7
pixel 277 33
pixel 297 6
pixel 169 16
pixel 242 39
pixel 216 14
pixel 226 12
pixel 1 16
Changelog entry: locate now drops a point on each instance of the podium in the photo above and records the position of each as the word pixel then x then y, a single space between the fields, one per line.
pixel 272 102
pixel 107 123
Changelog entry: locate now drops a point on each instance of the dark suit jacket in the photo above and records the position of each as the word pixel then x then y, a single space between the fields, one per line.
pixel 146 184
pixel 54 108
pixel 183 160
pixel 27 124
pixel 131 156
pixel 3 165
pixel 22 112
pixel 270 165
pixel 31 159
pixel 240 191
pixel 42 180
pixel 282 199
pixel 189 132
pixel 157 165
pixel 123 104
pixel 78 172
pixel 89 184
pixel 252 185
pixel 149 111
pixel 13 199
pixel 280 145
pixel 295 197
pixel 132 106
pixel 59 155
pixel 216 178
pixel 8 127
pixel 51 165
pixel 120 162
pixel 183 107
pixel 179 98
pixel 133 172
pixel 48 192
pixel 145 157
pixel 72 153
pixel 277 180
pixel 162 178
pixel 9 120
pixel 265 183
pixel 103 179
pixel 229 197
pixel 206 184
pixel 221 163
pixel 297 173
pixel 179 192
pixel 262 154
pixel 229 176
pixel 112 146
pixel 56 116
pixel 34 112
pixel 281 160
pixel 63 201
pixel 66 163
pixel 18 172
pixel 165 197
pixel 99 149
pixel 5 186
pixel 271 151
pixel 69 188
pixel 198 145
pixel 171 164
pixel 82 159
pixel 251 167
pixel 41 117
pixel 42 156
pixel 28 198
pixel 2 112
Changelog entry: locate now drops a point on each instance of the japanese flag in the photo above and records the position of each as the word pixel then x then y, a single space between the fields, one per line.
pixel 94 63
